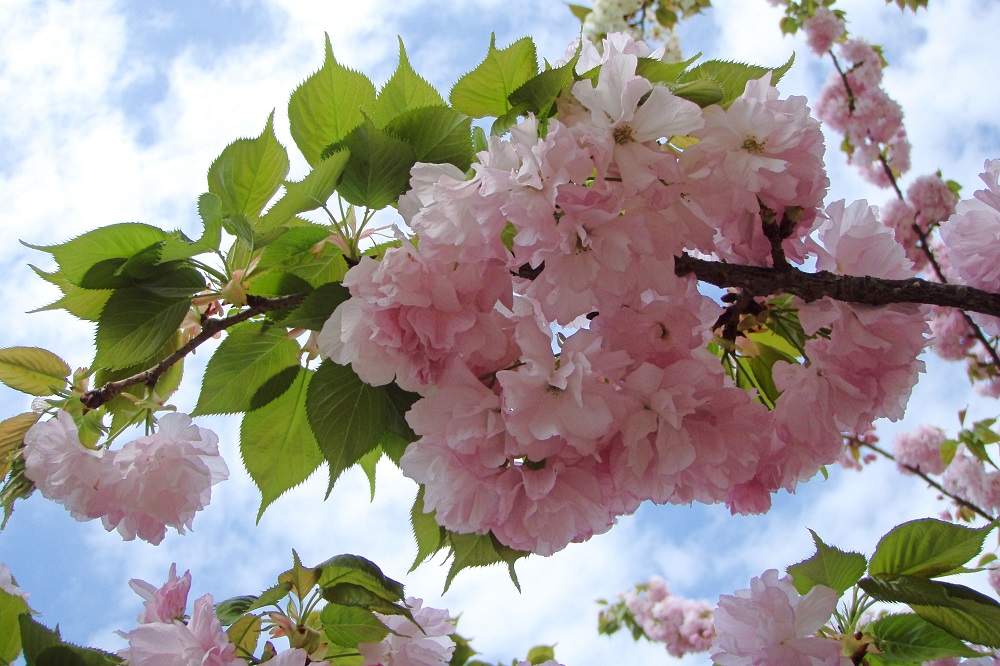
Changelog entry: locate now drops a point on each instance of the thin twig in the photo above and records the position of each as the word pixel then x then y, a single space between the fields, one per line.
pixel 257 305
pixel 931 482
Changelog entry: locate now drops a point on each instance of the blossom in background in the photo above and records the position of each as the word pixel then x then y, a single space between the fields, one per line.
pixel 425 641
pixel 771 623
pixel 157 481
pixel 920 449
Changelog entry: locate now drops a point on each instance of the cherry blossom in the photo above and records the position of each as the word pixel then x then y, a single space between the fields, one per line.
pixel 424 641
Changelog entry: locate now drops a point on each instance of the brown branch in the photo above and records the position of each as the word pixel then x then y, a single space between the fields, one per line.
pixel 258 305
pixel 931 482
pixel 764 281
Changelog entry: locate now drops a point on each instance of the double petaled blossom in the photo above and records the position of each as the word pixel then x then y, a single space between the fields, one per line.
pixel 7 583
pixel 154 482
pixel 424 641
pixel 683 625
pixel 920 449
pixel 972 236
pixel 823 28
pixel 164 639
pixel 562 363
pixel 771 623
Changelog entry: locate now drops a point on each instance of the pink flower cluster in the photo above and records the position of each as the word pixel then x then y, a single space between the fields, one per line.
pixel 151 483
pixel 425 641
pixel 163 638
pixel 564 374
pixel 920 449
pixel 823 28
pixel 771 623
pixel 855 104
pixel 684 625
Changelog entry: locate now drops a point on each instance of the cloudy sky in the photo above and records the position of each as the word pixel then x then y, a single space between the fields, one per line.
pixel 112 111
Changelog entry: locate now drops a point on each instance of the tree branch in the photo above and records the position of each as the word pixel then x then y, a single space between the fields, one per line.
pixel 764 281
pixel 257 305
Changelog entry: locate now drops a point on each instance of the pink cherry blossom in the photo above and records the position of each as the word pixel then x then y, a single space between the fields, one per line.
pixel 683 625
pixel 823 28
pixel 770 623
pixel 425 641
pixel 154 482
pixel 166 603
pixel 920 449
pixel 201 641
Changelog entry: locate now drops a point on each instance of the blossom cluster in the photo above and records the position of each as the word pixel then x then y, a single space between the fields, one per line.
pixel 157 481
pixel 854 103
pixel 563 365
pixel 683 625
pixel 423 641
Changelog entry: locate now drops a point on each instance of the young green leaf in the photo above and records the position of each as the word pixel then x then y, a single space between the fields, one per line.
pixel 480 550
pixel 909 637
pixel 301 579
pixel 436 134
pixel 232 609
pixel 117 241
pixel 317 307
pixel 539 93
pixel 404 91
pixel 277 445
pixel 86 304
pixel 310 193
pixel 484 90
pixel 44 647
pixel 429 535
pixel 11 606
pixel 248 172
pixel 250 355
pixel 830 566
pixel 347 416
pixel 134 325
pixel 32 370
pixel 959 610
pixel 357 570
pixel 926 548
pixel 349 625
pixel 327 106
pixel 657 71
pixel 245 634
pixel 378 170
pixel 732 77
pixel 349 594
pixel 12 432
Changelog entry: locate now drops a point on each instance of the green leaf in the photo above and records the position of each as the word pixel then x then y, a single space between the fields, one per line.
pixel 657 71
pixel 272 595
pixel 541 653
pixel 11 606
pixel 85 304
pixel 298 261
pixel 231 610
pixel 327 106
pixel 117 241
pixel 12 432
pixel 250 355
pixel 33 370
pixel 347 416
pixel 480 550
pixel 349 625
pixel 248 172
pixel 357 570
pixel 349 594
pixel 317 307
pixel 44 647
pixel 135 324
pixel 368 464
pixel 277 445
pixel 378 170
pixel 704 92
pixel 579 11
pixel 244 634
pixel 310 193
pixel 404 91
pixel 910 638
pixel 926 548
pixel 830 566
pixel 484 90
pixel 539 94
pixel 959 610
pixel 913 5
pixel 210 212
pixel 436 134
pixel 429 535
pixel 301 579
pixel 732 77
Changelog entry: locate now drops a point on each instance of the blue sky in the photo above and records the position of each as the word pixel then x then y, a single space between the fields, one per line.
pixel 114 110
